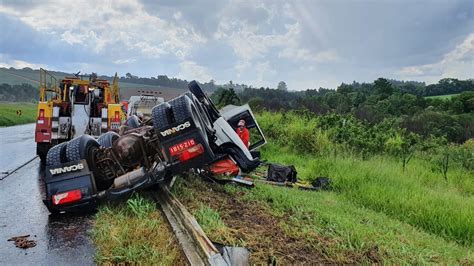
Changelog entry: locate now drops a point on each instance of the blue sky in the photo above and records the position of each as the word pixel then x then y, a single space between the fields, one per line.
pixel 308 44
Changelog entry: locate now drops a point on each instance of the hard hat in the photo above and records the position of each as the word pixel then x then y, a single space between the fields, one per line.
pixel 241 123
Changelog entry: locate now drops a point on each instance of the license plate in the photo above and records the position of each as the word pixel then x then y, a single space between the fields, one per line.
pixel 177 148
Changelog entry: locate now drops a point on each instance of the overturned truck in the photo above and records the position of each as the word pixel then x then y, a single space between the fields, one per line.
pixel 185 133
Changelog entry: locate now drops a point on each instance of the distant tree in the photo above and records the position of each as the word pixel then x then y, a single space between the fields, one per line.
pixel 227 97
pixel 383 88
pixel 282 86
pixel 345 88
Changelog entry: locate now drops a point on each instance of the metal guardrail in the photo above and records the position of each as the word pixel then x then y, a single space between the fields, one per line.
pixel 197 247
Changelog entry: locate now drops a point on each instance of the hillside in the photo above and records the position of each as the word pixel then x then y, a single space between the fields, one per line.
pixel 30 77
pixel 27 75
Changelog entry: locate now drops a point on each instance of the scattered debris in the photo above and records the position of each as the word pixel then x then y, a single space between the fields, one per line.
pixel 322 182
pixel 280 173
pixel 23 241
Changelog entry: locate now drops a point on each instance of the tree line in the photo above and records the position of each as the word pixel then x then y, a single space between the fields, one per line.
pixel 18 93
pixel 373 103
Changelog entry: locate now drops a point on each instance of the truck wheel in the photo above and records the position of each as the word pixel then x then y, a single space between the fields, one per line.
pixel 42 151
pixel 133 122
pixel 204 115
pixel 182 109
pixel 56 155
pixel 80 148
pixel 160 116
pixel 107 139
pixel 202 97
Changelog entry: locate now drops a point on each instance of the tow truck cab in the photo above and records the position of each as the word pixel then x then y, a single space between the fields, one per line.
pixel 75 106
pixel 142 105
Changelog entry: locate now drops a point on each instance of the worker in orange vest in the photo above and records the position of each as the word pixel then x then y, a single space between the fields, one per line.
pixel 243 133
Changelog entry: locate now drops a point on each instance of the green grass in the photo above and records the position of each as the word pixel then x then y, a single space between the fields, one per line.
pixel 352 232
pixel 134 233
pixel 418 197
pixel 9 117
pixel 442 97
pixel 212 224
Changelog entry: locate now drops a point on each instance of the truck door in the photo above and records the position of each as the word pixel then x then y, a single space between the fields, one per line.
pixel 233 114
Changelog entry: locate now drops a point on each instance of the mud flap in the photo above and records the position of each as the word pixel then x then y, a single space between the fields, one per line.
pixel 179 137
pixel 73 177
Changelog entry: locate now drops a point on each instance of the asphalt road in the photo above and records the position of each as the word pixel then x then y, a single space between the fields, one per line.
pixel 61 240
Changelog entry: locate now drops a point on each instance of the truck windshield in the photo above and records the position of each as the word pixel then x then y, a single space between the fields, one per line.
pixel 80 95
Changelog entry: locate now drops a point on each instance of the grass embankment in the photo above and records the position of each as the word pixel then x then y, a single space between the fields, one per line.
pixel 9 117
pixel 293 226
pixel 419 196
pixel 135 232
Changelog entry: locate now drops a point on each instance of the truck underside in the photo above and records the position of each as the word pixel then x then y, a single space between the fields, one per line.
pixel 185 133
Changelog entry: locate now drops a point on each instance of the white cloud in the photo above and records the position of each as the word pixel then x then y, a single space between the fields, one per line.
pixel 251 44
pixel 177 15
pixel 190 70
pixel 458 63
pixel 6 61
pixel 111 25
pixel 124 61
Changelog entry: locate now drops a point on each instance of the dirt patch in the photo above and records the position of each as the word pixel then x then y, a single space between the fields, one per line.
pixel 23 241
pixel 252 226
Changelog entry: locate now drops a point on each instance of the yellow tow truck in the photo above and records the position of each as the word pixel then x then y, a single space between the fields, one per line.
pixel 75 106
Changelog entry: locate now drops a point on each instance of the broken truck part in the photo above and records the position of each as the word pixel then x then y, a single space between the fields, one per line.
pixel 185 133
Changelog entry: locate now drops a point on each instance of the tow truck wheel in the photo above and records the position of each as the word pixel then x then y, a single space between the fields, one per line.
pixel 56 155
pixel 202 97
pixel 108 139
pixel 42 150
pixel 80 147
pixel 160 117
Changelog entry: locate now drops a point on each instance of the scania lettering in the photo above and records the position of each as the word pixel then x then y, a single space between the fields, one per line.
pixel 175 129
pixel 66 169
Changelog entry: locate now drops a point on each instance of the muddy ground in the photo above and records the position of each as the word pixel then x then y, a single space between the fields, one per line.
pixel 250 224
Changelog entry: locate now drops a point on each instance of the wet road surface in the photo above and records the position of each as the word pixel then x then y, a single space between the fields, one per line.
pixel 62 240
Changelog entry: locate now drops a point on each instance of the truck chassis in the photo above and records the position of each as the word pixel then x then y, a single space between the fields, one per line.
pixel 185 133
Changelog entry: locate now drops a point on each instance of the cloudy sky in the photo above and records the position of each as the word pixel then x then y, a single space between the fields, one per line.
pixel 308 44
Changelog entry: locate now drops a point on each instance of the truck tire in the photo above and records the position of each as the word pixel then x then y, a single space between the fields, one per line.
pixel 204 115
pixel 107 139
pixel 56 155
pixel 42 151
pixel 183 108
pixel 160 116
pixel 80 148
pixel 133 122
pixel 194 87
